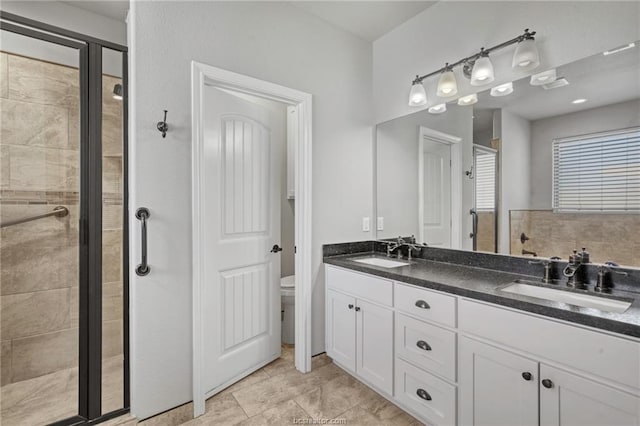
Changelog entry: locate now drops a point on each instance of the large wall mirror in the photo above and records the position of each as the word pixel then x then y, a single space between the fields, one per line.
pixel 536 167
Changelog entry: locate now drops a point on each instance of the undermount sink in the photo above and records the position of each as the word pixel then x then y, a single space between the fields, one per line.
pixel 385 263
pixel 572 298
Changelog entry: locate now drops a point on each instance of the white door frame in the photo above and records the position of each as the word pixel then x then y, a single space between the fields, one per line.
pixel 204 75
pixel 456 182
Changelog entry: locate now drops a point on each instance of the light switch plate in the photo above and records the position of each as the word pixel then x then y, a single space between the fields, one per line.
pixel 380 226
pixel 365 224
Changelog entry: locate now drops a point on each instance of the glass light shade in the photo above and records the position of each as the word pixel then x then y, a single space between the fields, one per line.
pixel 447 85
pixel 502 90
pixel 545 77
pixel 526 55
pixel 438 109
pixel 468 100
pixel 482 71
pixel 417 96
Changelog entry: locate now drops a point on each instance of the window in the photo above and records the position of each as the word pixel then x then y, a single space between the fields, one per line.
pixel 599 172
pixel 485 178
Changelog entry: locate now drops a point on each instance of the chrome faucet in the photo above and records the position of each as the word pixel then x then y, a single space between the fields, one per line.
pixel 549 268
pixel 575 271
pixel 399 243
pixel 605 281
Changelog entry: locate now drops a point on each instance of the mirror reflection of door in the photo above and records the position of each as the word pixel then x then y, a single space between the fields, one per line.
pixel 436 205
pixel 485 168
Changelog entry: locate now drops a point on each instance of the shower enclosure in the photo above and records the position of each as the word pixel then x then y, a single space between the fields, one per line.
pixel 63 236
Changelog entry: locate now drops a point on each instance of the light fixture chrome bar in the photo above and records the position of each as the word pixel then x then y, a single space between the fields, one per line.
pixel 526 35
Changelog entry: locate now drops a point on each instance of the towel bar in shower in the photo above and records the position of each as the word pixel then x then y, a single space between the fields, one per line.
pixel 59 211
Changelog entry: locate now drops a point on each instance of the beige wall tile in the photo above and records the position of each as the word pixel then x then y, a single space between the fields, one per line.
pixel 111 338
pixel 111 256
pixel 112 301
pixel 4 76
pixel 26 123
pixel 45 353
pixel 5 177
pixel 41 82
pixel 5 372
pixel 30 314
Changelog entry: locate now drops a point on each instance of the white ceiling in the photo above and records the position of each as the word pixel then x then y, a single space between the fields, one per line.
pixel 114 9
pixel 368 20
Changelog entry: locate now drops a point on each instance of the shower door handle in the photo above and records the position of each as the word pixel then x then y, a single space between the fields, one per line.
pixel 142 214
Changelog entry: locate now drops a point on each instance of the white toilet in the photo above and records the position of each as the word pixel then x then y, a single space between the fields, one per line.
pixel 287 306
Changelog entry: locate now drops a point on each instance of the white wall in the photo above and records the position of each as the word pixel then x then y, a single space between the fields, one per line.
pixel 451 30
pixel 276 42
pixel 515 166
pixel 543 132
pixel 397 168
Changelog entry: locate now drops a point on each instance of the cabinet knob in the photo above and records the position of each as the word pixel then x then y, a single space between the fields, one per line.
pixel 547 383
pixel 422 304
pixel 357 308
pixel 527 376
pixel 350 306
pixel 423 394
pixel 423 345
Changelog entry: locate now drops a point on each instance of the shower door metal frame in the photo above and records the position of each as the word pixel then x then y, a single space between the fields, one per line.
pixel 90 227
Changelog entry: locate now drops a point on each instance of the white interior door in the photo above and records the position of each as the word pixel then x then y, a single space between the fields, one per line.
pixel 436 193
pixel 241 224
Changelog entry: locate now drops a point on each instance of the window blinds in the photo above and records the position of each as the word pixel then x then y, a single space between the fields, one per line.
pixel 485 179
pixel 598 172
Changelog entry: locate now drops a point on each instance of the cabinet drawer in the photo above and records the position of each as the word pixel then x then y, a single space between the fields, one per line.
pixel 360 285
pixel 434 400
pixel 428 346
pixel 613 358
pixel 425 304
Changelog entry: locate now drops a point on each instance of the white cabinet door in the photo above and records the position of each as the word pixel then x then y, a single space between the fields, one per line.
pixel 375 345
pixel 341 329
pixel 496 386
pixel 570 400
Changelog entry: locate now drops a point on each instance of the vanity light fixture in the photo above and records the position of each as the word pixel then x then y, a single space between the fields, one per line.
pixel 619 49
pixel 477 67
pixel 438 109
pixel 468 100
pixel 482 72
pixel 502 90
pixel 447 85
pixel 579 101
pixel 544 77
pixel 418 95
pixel 526 56
pixel 117 92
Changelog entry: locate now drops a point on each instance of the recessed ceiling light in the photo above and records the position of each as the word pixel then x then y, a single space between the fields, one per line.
pixel 619 49
pixel 543 77
pixel 468 100
pixel 438 109
pixel 579 101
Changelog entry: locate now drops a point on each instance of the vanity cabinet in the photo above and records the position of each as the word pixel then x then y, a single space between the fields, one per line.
pixel 359 331
pixel 450 360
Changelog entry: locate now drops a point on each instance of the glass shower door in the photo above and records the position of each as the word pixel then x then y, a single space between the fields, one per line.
pixel 40 177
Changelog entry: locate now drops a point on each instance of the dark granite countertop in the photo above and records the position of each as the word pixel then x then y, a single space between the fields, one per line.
pixel 484 284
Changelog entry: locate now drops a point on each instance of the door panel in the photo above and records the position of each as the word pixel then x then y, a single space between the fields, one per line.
pixel 242 208
pixel 375 345
pixel 341 329
pixel 436 180
pixel 576 401
pixel 493 391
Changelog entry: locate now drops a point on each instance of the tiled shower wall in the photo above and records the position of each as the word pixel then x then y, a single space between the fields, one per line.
pixel 486 240
pixel 39 143
pixel 606 236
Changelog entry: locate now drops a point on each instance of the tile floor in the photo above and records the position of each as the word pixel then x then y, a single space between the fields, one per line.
pixel 52 397
pixel 277 394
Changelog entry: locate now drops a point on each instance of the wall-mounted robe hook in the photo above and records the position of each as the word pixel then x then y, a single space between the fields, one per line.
pixel 163 126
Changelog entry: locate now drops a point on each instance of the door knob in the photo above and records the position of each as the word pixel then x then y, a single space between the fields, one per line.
pixel 276 248
pixel 527 376
pixel 357 308
pixel 350 306
pixel 547 383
